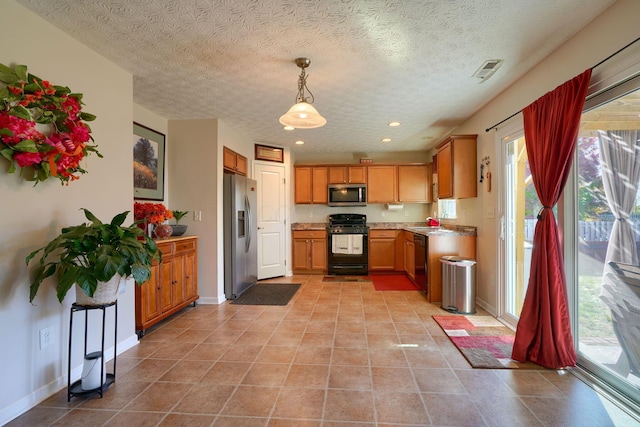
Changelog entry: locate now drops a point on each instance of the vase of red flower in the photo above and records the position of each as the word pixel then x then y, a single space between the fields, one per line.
pixel 150 216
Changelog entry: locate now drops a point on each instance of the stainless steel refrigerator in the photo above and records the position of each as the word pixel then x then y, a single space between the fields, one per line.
pixel 240 235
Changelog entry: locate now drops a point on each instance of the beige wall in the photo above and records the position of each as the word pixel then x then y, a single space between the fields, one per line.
pixel 31 216
pixel 195 166
pixel 612 30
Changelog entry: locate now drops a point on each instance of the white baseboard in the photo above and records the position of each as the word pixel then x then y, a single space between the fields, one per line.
pixel 34 398
pixel 488 307
pixel 212 300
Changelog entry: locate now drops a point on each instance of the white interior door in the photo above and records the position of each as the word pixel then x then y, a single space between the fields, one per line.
pixel 271 220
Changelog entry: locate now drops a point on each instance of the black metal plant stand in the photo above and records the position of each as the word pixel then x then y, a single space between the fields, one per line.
pixel 75 389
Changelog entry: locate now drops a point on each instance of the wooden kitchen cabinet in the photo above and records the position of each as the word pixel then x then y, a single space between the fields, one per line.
pixel 456 167
pixel 173 283
pixel 414 183
pixel 309 251
pixel 382 184
pixel 382 250
pixel 409 256
pixel 347 174
pixel 234 162
pixel 310 184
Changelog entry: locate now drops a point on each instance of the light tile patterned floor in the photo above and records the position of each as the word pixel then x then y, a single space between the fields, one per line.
pixel 340 354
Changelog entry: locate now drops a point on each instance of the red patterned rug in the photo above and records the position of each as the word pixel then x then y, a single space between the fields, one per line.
pixel 483 341
pixel 392 282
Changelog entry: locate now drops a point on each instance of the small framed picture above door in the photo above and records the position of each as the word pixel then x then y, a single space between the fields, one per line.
pixel 270 154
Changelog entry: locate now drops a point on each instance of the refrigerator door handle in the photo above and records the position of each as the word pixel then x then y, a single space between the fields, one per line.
pixel 248 225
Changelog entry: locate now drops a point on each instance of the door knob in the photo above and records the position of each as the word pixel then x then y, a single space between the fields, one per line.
pixel 260 228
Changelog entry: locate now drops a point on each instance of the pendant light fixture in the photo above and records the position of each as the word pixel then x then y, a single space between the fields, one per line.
pixel 303 115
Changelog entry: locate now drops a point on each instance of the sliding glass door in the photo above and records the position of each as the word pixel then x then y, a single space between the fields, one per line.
pixel 520 205
pixel 607 321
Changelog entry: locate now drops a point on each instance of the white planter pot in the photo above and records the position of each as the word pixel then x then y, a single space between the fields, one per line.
pixel 106 293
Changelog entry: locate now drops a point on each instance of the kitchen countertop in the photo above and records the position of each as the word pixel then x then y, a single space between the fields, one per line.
pixel 414 227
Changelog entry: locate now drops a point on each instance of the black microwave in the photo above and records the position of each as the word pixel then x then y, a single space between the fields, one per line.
pixel 347 195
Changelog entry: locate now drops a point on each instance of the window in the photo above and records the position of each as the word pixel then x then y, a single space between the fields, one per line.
pixel 447 209
pixel 607 215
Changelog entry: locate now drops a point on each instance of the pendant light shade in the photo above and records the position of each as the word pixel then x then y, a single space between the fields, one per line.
pixel 303 115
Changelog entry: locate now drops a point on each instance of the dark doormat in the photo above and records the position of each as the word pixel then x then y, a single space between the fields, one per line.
pixel 268 294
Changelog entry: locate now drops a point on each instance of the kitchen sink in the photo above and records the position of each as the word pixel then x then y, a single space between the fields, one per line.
pixel 432 229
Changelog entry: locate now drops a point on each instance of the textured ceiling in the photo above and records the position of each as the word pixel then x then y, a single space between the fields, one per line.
pixel 372 61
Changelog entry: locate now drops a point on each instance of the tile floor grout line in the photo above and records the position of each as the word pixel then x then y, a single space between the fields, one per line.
pixel 350 309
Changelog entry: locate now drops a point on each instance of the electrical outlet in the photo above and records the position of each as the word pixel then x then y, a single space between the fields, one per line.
pixel 406 213
pixel 46 337
pixel 197 215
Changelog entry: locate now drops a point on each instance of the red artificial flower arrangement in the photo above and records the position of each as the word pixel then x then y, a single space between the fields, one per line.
pixel 54 149
pixel 153 213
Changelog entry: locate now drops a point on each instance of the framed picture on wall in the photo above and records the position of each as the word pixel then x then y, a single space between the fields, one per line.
pixel 148 163
pixel 271 154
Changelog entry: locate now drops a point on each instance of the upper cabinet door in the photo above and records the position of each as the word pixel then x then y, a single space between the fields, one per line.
pixel 347 174
pixel 456 166
pixel 414 183
pixel 445 171
pixel 310 184
pixel 382 184
pixel 302 184
pixel 319 185
pixel 357 174
pixel 234 162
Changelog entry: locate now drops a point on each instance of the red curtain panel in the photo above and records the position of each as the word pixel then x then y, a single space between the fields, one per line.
pixel 551 125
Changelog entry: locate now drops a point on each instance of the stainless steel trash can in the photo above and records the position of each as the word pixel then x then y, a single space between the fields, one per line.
pixel 458 284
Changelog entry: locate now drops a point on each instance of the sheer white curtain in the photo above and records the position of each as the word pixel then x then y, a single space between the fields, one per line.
pixel 620 158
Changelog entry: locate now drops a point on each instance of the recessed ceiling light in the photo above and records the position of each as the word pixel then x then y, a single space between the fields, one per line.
pixel 386 139
pixel 299 142
pixel 288 128
pixel 393 124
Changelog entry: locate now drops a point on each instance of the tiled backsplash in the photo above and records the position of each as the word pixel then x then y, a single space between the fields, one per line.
pixel 410 212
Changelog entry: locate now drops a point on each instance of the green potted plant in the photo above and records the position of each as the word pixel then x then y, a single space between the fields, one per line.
pixel 92 255
pixel 178 229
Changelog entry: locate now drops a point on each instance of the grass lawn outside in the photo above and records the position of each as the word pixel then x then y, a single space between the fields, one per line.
pixel 594 316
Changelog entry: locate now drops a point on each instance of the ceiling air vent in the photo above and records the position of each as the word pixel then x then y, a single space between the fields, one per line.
pixel 487 69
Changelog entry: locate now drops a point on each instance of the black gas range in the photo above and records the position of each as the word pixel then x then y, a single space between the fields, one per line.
pixel 347 244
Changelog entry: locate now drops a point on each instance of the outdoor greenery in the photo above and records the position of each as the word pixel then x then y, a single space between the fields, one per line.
pixel 592 201
pixel 594 316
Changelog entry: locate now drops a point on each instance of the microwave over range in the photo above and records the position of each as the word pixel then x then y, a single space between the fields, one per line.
pixel 347 195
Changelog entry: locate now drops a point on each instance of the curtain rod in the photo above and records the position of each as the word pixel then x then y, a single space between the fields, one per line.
pixel 599 63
